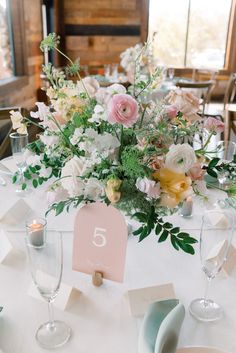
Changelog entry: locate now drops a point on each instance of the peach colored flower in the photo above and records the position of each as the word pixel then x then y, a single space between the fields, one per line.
pixel 176 185
pixel 196 172
pixel 214 125
pixel 186 102
pixel 123 109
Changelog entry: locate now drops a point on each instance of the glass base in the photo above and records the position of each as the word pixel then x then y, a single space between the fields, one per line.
pixel 205 310
pixel 53 336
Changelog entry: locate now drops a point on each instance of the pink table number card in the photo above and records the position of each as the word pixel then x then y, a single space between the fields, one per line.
pixel 100 240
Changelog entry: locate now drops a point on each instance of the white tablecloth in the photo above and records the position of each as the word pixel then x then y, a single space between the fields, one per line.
pixel 101 319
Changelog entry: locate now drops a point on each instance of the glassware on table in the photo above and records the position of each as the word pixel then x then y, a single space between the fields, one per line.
pixel 215 238
pixel 46 265
pixel 225 150
pixel 107 72
pixel 171 73
pixel 18 145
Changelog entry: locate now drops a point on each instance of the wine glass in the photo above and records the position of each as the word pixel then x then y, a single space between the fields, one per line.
pixel 46 264
pixel 215 238
pixel 18 145
pixel 225 150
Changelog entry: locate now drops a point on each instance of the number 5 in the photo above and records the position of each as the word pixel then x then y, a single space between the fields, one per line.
pixel 99 239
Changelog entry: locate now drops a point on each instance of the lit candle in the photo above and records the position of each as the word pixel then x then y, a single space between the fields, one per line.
pixel 36 233
pixel 187 207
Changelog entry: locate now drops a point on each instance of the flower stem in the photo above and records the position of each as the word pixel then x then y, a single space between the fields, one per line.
pixel 71 62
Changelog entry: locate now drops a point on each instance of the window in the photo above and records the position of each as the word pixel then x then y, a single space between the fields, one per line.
pixel 190 33
pixel 6 59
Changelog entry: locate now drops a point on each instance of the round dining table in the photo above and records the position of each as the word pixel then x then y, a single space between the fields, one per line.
pixel 100 318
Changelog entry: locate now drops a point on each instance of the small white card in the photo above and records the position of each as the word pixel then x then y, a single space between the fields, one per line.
pixel 13 212
pixel 6 246
pixel 140 298
pixel 66 295
pixel 231 261
pixel 218 220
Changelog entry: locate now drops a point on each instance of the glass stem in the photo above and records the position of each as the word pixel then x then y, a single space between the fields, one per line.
pixel 50 314
pixel 206 291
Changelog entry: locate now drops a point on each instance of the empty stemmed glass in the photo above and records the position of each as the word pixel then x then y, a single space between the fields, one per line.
pixel 18 145
pixel 215 238
pixel 46 264
pixel 225 150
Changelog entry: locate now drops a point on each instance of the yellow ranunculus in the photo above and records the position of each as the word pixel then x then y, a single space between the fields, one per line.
pixel 177 186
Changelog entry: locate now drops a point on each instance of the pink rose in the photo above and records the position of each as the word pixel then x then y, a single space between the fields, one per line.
pixel 122 109
pixel 196 172
pixel 214 125
pixel 172 111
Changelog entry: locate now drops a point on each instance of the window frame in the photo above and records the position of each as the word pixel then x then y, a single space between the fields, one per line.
pixel 230 53
pixel 20 78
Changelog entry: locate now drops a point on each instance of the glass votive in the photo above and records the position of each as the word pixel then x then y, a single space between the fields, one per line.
pixel 35 231
pixel 187 208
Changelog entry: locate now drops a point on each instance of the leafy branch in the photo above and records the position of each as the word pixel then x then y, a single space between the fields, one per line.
pixel 151 221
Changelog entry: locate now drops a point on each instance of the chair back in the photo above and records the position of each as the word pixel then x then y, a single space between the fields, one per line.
pixel 204 89
pixel 5 130
pixel 230 90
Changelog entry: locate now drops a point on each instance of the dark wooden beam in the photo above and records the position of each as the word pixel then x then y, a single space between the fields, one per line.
pixel 102 30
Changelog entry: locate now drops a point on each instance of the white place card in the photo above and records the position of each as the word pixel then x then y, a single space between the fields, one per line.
pixel 6 246
pixel 140 298
pixel 65 297
pixel 231 261
pixel 14 211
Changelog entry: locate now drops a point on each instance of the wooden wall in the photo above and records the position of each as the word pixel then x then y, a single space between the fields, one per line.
pixel 97 31
pixel 24 94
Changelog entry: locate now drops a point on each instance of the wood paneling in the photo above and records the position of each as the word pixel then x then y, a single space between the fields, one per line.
pixel 97 31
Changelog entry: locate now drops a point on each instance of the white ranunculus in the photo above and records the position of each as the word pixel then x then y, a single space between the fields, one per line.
pixel 91 85
pixel 71 173
pixel 116 88
pixel 94 189
pixel 180 158
pixel 102 96
pixel 149 187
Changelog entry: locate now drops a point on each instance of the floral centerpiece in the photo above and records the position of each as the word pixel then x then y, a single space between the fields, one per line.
pixel 117 146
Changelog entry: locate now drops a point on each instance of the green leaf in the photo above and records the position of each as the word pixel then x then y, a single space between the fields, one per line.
pixel 212 173
pixel 186 248
pixel 14 179
pixel 60 207
pixel 183 235
pixel 163 236
pixel 158 229
pixel 167 225
pixel 190 240
pixel 213 163
pixel 174 242
pixel 175 230
pixel 144 234
pixel 142 217
pixel 138 231
pixel 27 175
pixel 35 183
pixel 23 186
pixel 32 169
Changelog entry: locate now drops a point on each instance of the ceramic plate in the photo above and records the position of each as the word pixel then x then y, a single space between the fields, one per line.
pixel 199 350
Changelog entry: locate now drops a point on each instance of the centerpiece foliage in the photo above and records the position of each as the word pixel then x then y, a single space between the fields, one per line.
pixel 119 146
